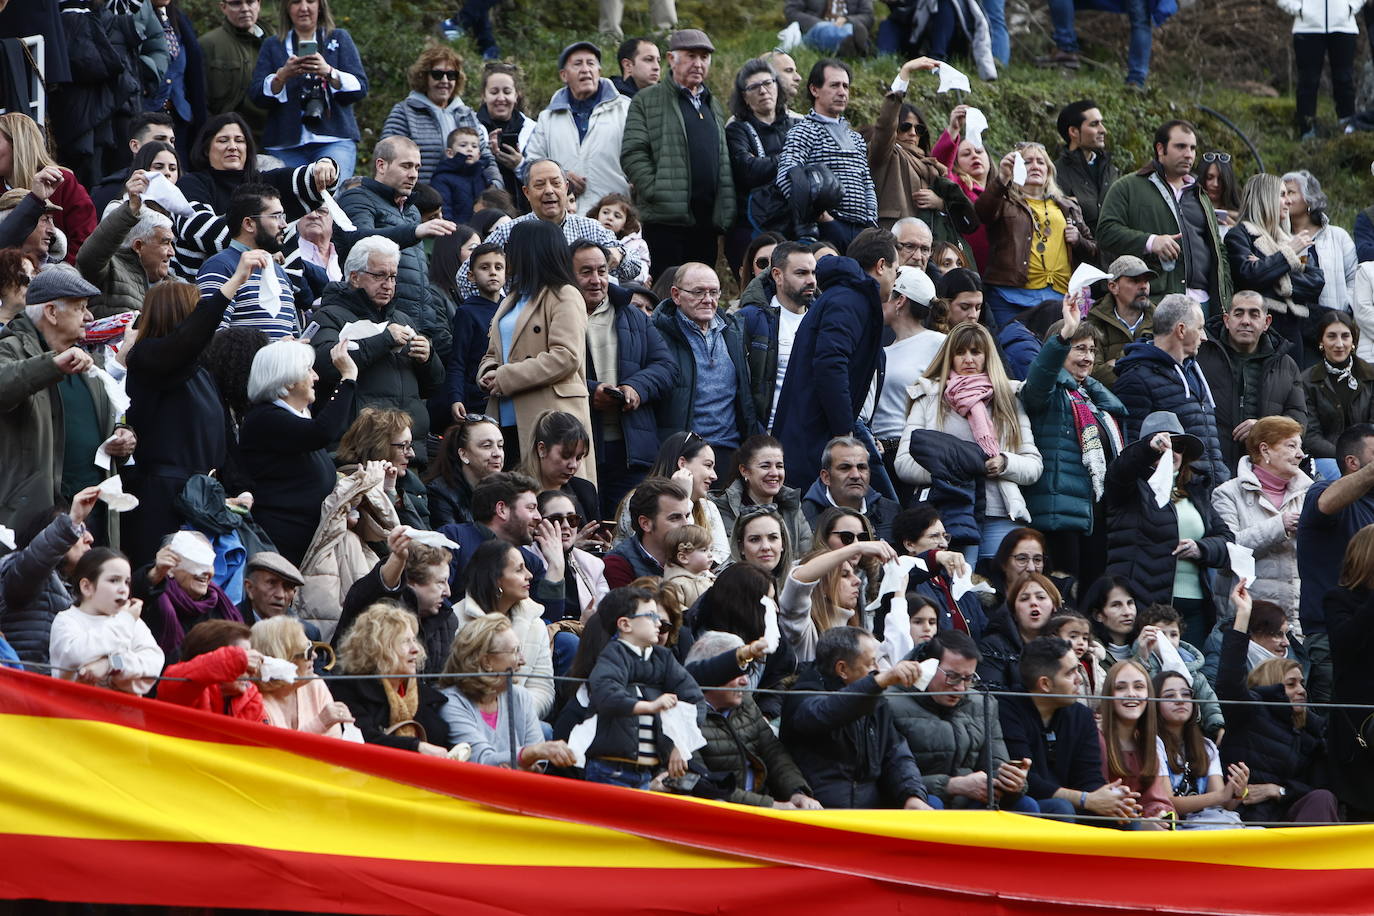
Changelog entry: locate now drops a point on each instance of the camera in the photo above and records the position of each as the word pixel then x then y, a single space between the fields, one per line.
pixel 314 102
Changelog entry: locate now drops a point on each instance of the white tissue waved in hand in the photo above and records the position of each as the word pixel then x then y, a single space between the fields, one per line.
pixel 166 195
pixel 355 331
pixel 1085 275
pixel 1018 168
pixel 7 537
pixel 1242 562
pixel 1162 480
pixel 276 669
pixel 963 584
pixel 429 538
pixel 337 213
pixel 771 633
pixel 975 123
pixel 680 726
pixel 196 555
pixel 951 79
pixel 112 494
pixel 580 738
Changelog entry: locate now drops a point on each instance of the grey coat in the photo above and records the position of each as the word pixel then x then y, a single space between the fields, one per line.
pixel 32 591
pixel 948 741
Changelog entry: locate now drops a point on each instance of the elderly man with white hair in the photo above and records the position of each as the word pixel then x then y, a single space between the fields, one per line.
pixel 55 409
pixel 397 365
pixel 284 449
pixel 129 251
pixel 914 242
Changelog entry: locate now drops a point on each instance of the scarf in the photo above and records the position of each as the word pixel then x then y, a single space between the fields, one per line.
pixel 1090 429
pixel 180 612
pixel 445 116
pixel 403 707
pixel 1342 373
pixel 1272 486
pixel 1267 245
pixel 969 395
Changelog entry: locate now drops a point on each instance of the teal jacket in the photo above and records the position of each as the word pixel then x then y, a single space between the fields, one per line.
pixel 1062 499
pixel 653 154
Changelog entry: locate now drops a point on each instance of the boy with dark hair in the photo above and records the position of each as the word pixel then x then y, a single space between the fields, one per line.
pixel 458 177
pixel 1163 621
pixel 471 326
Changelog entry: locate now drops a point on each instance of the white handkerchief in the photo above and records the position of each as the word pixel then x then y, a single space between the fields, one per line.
pixel 975 122
pixel 277 669
pixel 789 38
pixel 1018 168
pixel 196 555
pixel 927 672
pixel 429 538
pixel 1085 275
pixel 897 641
pixel 336 212
pixel 580 738
pixel 1242 562
pixel 7 537
pixel 771 633
pixel 1169 659
pixel 963 584
pixel 951 79
pixel 119 400
pixel 355 331
pixel 1162 480
pixel 103 459
pixel 352 733
pixel 166 195
pixel 112 494
pixel 270 292
pixel 680 727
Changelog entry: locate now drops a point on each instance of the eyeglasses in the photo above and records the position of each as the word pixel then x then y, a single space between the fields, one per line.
pixel 761 85
pixel 704 293
pixel 274 217
pixel 1028 559
pixel 915 246
pixel 571 519
pixel 380 278
pixel 450 75
pixel 849 537
pixel 404 446
pixel 762 263
pixel 1085 349
pixel 908 127
pixel 955 679
pixel 1216 157
pixel 653 614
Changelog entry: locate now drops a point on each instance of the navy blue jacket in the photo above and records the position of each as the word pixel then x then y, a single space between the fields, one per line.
pixel 1078 758
pixel 459 183
pixel 284 119
pixel 644 363
pixel 880 511
pixel 1148 379
pixel 1019 349
pixel 836 353
pixel 674 410
pixel 471 327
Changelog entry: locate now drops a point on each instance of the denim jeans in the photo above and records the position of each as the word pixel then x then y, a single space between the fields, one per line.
pixel 616 774
pixel 1138 54
pixel 1062 22
pixel 475 17
pixel 1055 806
pixel 826 36
pixel 344 152
pixel 996 11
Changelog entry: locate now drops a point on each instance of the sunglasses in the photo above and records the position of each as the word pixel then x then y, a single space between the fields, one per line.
pixel 479 418
pixel 907 127
pixel 762 263
pixel 450 75
pixel 571 519
pixel 1216 157
pixel 849 537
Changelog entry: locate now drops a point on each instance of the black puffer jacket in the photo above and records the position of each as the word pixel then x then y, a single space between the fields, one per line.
pixel 1001 645
pixel 847 746
pixel 1141 537
pixel 743 743
pixel 1264 737
pixel 1278 379
pixel 1149 379
pixel 32 592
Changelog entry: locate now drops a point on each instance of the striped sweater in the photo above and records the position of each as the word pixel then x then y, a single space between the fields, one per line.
pixel 840 149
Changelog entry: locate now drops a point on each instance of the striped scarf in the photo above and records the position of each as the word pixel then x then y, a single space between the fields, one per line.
pixel 1090 429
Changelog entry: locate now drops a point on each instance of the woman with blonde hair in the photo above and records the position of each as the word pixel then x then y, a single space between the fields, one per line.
pixel 384 434
pixel 305 704
pixel 824 592
pixel 1036 235
pixel 1261 506
pixel 23 154
pixel 433 110
pixel 966 394
pixel 1266 258
pixel 393 707
pixel 476 713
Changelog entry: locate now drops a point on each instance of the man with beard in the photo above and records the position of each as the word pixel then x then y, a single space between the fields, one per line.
pixel 258 221
pixel 1124 315
pixel 769 330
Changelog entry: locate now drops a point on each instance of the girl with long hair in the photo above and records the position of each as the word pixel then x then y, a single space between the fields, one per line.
pixel 1131 749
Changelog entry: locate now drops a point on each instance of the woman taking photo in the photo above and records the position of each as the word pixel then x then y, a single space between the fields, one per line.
pixel 1339 389
pixel 308 78
pixel 499 583
pixel 23 154
pixel 174 403
pixel 757 480
pixel 1266 258
pixel 1036 236
pixel 1130 745
pixel 1218 179
pixel 305 704
pixel 391 707
pixel 1075 421
pixel 1203 799
pixel 104 629
pixel 1165 550
pixel 383 434
pixel 966 394
pixel 284 448
pixel 754 137
pixel 473 450
pixel 537 356
pixel 480 709
pixel 1261 506
pixel 502 115
pixel 433 110
pixel 584 576
pixel 561 446
pixel 1031 600
pixel 969 167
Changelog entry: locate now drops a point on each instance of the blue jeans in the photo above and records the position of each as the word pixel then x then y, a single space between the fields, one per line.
pixel 827 36
pixel 1054 806
pixel 996 11
pixel 475 17
pixel 344 152
pixel 564 648
pixel 616 774
pixel 1138 54
pixel 1061 21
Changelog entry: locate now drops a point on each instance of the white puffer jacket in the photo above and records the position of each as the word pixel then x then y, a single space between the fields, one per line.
pixel 1321 17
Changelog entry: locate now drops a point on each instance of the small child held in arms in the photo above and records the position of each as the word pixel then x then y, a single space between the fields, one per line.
pixel 688 571
pixel 1163 621
pixel 471 327
pixel 458 177
pixel 620 217
pixel 1075 629
pixel 635 680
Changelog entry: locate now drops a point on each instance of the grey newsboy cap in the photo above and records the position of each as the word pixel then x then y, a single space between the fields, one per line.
pixel 58 281
pixel 690 40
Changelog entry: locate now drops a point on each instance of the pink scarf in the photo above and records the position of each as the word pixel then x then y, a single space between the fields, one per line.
pixel 1272 485
pixel 969 395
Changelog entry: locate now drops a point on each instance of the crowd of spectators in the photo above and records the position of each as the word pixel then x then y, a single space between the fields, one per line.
pixel 916 521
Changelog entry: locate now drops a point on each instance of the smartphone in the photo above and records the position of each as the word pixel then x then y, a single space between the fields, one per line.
pixel 615 393
pixel 310 332
pixel 306 48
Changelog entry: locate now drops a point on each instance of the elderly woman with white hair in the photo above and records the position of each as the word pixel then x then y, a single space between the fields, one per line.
pixel 128 252
pixel 284 448
pixel 397 365
pixel 1333 250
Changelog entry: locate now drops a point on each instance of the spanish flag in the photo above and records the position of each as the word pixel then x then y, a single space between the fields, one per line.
pixel 107 798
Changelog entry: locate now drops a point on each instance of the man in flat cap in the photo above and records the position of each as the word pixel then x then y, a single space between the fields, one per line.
pixel 55 406
pixel 674 154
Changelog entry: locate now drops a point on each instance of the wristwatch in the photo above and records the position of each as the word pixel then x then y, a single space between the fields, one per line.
pixel 1283 793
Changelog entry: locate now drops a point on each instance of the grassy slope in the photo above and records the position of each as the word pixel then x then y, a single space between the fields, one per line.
pixel 1020 105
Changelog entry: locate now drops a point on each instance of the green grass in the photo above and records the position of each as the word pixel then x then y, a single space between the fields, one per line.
pixel 1021 105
